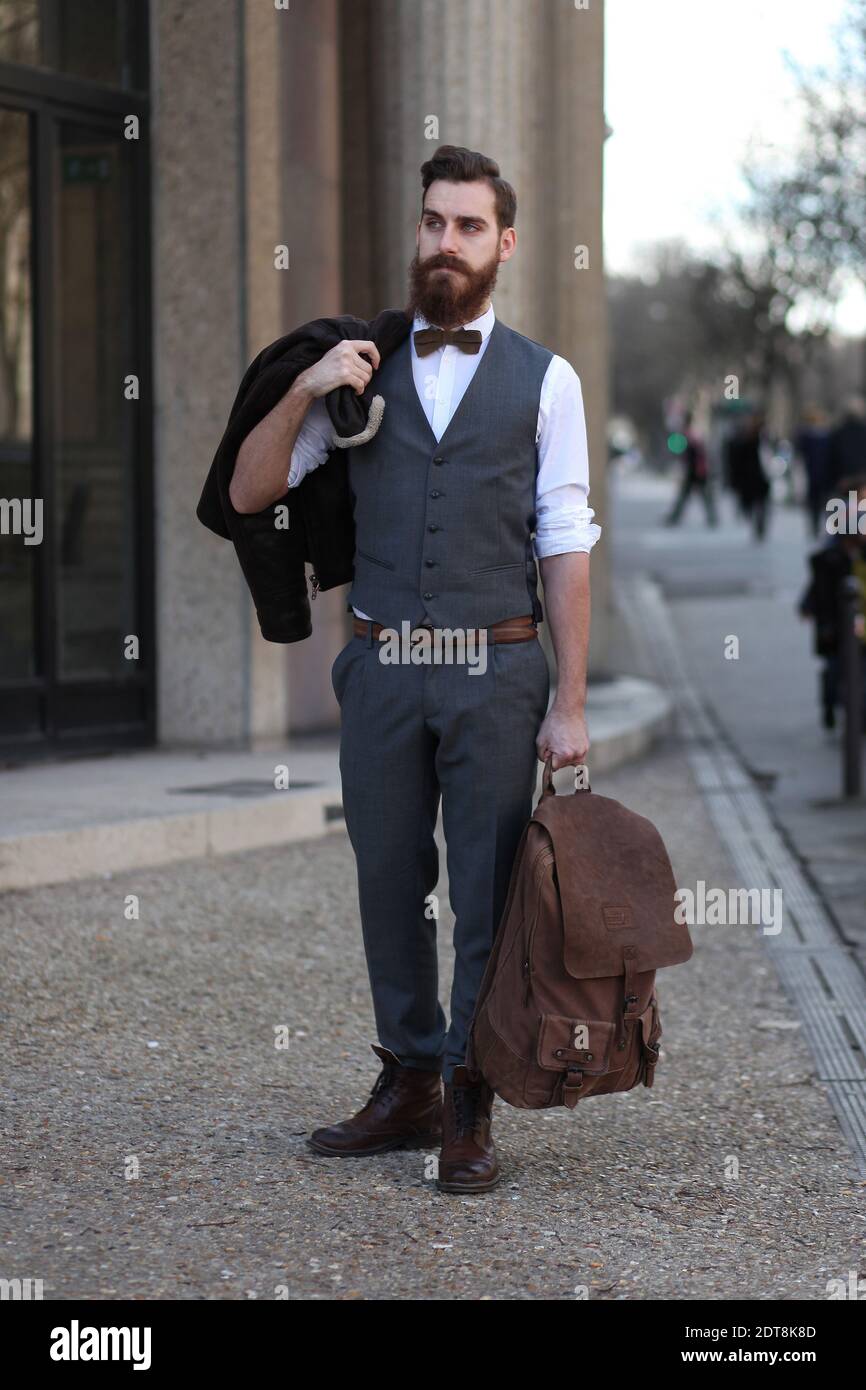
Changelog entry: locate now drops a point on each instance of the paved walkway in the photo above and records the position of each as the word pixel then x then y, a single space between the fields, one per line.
pixel 153 1137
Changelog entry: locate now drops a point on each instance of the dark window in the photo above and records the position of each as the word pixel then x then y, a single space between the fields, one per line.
pixel 98 40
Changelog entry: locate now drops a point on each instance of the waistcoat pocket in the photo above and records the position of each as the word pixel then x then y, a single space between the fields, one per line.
pixel 374 560
pixel 491 569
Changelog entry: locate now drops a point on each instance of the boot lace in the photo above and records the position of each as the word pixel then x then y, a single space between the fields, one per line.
pixel 466 1102
pixel 383 1081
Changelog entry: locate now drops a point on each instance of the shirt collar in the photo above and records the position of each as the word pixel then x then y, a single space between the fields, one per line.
pixel 485 322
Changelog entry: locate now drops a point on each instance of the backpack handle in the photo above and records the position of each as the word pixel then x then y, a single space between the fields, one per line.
pixel 547 787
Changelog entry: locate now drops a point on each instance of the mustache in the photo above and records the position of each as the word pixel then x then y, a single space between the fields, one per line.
pixel 442 263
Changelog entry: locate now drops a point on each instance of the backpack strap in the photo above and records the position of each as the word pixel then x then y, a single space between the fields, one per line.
pixel 630 998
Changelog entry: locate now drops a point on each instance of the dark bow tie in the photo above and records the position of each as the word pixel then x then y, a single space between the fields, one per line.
pixel 429 339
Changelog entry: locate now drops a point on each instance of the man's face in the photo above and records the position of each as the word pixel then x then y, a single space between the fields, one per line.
pixel 459 250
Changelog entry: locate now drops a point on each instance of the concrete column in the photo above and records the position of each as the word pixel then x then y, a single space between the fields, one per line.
pixel 567 212
pixel 246 159
pixel 199 352
pixel 310 208
pixel 265 289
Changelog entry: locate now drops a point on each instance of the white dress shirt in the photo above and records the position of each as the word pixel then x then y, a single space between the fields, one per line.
pixel 564 520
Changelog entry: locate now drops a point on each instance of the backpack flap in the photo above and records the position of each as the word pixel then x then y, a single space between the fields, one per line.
pixel 616 887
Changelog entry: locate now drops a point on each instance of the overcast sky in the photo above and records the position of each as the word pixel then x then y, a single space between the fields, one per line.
pixel 689 83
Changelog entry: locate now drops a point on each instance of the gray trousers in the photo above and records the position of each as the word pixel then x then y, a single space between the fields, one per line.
pixel 410 734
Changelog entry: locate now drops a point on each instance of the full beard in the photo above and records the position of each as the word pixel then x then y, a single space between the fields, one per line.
pixel 449 301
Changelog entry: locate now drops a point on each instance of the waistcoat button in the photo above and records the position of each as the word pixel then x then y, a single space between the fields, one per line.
pixel 434 493
pixel 429 595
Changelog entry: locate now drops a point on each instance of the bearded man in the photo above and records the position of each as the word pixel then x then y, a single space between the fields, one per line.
pixel 482 445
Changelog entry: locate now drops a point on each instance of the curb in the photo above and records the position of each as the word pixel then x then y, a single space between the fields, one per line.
pixel 626 716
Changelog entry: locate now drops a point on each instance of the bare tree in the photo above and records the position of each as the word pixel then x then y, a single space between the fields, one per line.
pixel 810 214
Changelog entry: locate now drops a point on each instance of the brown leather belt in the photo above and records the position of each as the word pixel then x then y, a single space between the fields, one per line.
pixel 521 629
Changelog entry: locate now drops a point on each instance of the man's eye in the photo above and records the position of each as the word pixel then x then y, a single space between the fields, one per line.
pixel 468 226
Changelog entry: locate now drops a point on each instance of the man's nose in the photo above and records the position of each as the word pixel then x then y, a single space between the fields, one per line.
pixel 449 245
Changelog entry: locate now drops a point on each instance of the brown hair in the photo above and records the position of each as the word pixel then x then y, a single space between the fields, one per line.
pixel 459 165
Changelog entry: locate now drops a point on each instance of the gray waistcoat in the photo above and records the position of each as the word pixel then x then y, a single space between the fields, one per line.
pixel 443 530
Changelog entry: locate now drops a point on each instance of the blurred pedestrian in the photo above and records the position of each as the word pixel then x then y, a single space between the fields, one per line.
pixel 813 447
pixel 843 554
pixel 848 444
pixel 695 476
pixel 745 470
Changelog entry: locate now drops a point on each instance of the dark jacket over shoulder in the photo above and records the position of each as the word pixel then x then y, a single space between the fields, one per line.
pixel 313 521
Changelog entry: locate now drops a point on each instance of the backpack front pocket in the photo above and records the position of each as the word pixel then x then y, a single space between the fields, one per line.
pixel 575 1042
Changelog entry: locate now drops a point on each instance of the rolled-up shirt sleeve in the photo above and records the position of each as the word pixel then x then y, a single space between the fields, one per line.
pixel 314 442
pixel 564 519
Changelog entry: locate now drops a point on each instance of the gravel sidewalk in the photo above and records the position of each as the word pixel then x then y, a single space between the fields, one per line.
pixel 153 1137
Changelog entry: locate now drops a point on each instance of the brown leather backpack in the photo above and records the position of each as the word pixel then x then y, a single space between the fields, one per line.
pixel 567 1006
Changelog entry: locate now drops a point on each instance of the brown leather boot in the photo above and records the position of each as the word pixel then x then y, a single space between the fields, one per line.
pixel 468 1161
pixel 404 1111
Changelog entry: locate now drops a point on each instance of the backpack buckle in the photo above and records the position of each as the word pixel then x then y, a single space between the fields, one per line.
pixel 571 1088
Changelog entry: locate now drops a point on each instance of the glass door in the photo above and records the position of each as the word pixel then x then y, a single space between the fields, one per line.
pixel 21 520
pixel 96 382
pixel 76 621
